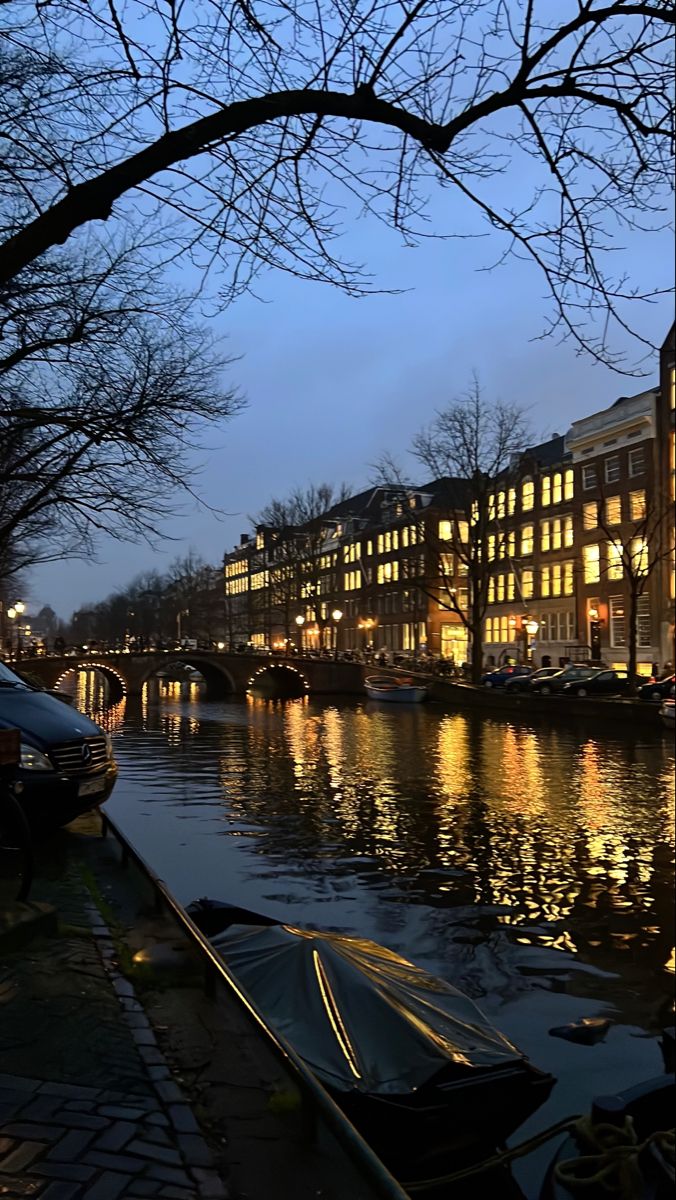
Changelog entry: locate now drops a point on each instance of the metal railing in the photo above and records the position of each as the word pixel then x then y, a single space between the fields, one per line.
pixel 357 1150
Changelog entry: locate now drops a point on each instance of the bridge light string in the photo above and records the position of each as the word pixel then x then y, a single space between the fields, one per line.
pixel 105 669
pixel 278 667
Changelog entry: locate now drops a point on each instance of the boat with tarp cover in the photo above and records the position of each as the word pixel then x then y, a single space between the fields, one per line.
pixel 411 1060
pixel 399 690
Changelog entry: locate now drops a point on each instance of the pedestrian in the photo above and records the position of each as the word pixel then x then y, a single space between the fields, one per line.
pixel 655 670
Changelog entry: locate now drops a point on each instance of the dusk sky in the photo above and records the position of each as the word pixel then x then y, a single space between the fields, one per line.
pixel 331 381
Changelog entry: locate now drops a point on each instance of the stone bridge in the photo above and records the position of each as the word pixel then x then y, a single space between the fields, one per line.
pixel 224 674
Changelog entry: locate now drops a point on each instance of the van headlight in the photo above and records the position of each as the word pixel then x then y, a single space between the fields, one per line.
pixel 34 760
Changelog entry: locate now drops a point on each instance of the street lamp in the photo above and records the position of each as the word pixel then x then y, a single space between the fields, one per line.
pixel 336 616
pixel 300 621
pixel 531 627
pixel 15 611
pixel 183 612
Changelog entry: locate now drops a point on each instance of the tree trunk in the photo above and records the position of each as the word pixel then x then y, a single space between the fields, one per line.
pixel 633 639
pixel 477 649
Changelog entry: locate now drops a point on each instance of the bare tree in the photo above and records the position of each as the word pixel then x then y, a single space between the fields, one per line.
pixel 472 450
pixel 637 546
pixel 251 127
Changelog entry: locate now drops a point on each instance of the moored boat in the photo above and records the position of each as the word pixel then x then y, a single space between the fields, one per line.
pixel 413 1062
pixel 397 689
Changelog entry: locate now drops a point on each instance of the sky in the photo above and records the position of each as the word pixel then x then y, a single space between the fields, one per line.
pixel 332 381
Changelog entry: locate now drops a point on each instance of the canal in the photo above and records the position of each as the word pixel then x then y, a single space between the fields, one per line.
pixel 530 863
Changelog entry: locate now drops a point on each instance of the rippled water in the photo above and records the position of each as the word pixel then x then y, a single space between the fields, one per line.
pixel 532 864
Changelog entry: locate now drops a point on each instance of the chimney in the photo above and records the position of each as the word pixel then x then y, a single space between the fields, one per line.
pixel 244 538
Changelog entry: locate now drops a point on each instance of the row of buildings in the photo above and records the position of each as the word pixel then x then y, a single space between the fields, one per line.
pixel 550 555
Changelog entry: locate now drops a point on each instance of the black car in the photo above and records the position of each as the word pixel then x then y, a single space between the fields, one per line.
pixel 66 765
pixel 555 684
pixel 657 689
pixel 601 683
pixel 523 683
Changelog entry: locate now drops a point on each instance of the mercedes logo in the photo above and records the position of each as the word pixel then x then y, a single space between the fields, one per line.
pixel 86 754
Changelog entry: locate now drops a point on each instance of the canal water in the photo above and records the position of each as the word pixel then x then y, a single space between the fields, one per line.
pixel 529 862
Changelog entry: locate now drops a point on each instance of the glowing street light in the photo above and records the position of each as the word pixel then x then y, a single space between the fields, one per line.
pixel 336 616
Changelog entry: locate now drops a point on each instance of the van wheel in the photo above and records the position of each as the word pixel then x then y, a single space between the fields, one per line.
pixel 545 691
pixel 581 692
pixel 655 695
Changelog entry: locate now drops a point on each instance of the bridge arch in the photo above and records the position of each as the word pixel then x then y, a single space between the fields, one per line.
pixel 279 677
pixel 116 681
pixel 218 679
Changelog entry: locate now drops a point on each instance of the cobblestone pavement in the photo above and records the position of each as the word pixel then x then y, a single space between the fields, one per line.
pixel 88 1106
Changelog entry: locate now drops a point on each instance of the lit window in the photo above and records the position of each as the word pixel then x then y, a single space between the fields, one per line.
pixel 557 534
pixel 636 461
pixel 672 388
pixel 445 531
pixel 491 507
pixel 500 588
pixel 546 490
pixel 590 515
pixel 545 535
pixel 511 501
pixel 395 539
pixel 589 476
pixel 511 543
pixel 404 536
pixel 381 543
pixel 557 488
pixel 489 629
pixel 613 510
pixel 568 534
pixel 527 539
pixel 643 623
pixel 475 512
pixel 463 531
pixel 615 565
pixel 388 541
pixel 527 495
pixel 556 579
pixel 639 556
pixel 637 505
pixel 527 584
pixel 491 547
pixel 568 568
pixel 569 484
pixel 491 590
pixel 546 581
pixel 260 541
pixel 591 560
pixel 612 469
pixel 502 501
pixel 510 586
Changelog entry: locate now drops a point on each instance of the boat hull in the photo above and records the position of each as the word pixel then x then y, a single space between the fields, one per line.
pixel 396 695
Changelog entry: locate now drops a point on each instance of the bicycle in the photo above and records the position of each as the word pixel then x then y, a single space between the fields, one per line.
pixel 15 834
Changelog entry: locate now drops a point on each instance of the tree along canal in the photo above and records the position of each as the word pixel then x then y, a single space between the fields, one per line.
pixel 529 863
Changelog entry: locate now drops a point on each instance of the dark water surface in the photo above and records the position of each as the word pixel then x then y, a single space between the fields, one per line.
pixel 531 864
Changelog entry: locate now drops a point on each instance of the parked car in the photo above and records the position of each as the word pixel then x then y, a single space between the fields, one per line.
pixel 523 683
pixel 66 765
pixel 499 677
pixel 553 684
pixel 601 683
pixel 657 689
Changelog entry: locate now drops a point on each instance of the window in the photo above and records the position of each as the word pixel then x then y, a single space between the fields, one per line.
pixel 500 588
pixel 643 623
pixel 463 531
pixel 527 539
pixel 612 468
pixel 491 547
pixel 489 630
pixel 618 633
pixel 557 534
pixel 502 505
pixel 527 495
pixel 615 564
pixel 637 505
pixel 445 531
pixel 404 536
pixel 546 490
pixel 569 484
pixel 568 568
pixel 527 584
pixel 545 535
pixel 546 581
pixel 557 488
pixel 591 561
pixel 491 507
pixel 395 539
pixel 639 556
pixel 491 590
pixel 589 476
pixel 636 461
pixel 568 535
pixel 369 547
pixel 511 543
pixel 556 579
pixel 510 586
pixel 590 515
pixel 613 510
pixel 511 501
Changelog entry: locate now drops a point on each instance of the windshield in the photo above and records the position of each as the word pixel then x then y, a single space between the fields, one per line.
pixel 9 679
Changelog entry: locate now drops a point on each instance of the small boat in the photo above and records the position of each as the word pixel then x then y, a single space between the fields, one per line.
pixel 598 1156
pixel 667 713
pixel 412 1061
pixel 399 689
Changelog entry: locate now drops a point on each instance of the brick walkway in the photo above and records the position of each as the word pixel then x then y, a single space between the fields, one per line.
pixel 88 1106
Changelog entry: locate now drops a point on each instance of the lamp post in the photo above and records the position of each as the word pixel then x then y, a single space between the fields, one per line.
pixel 300 621
pixel 336 616
pixel 183 612
pixel 531 626
pixel 15 611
